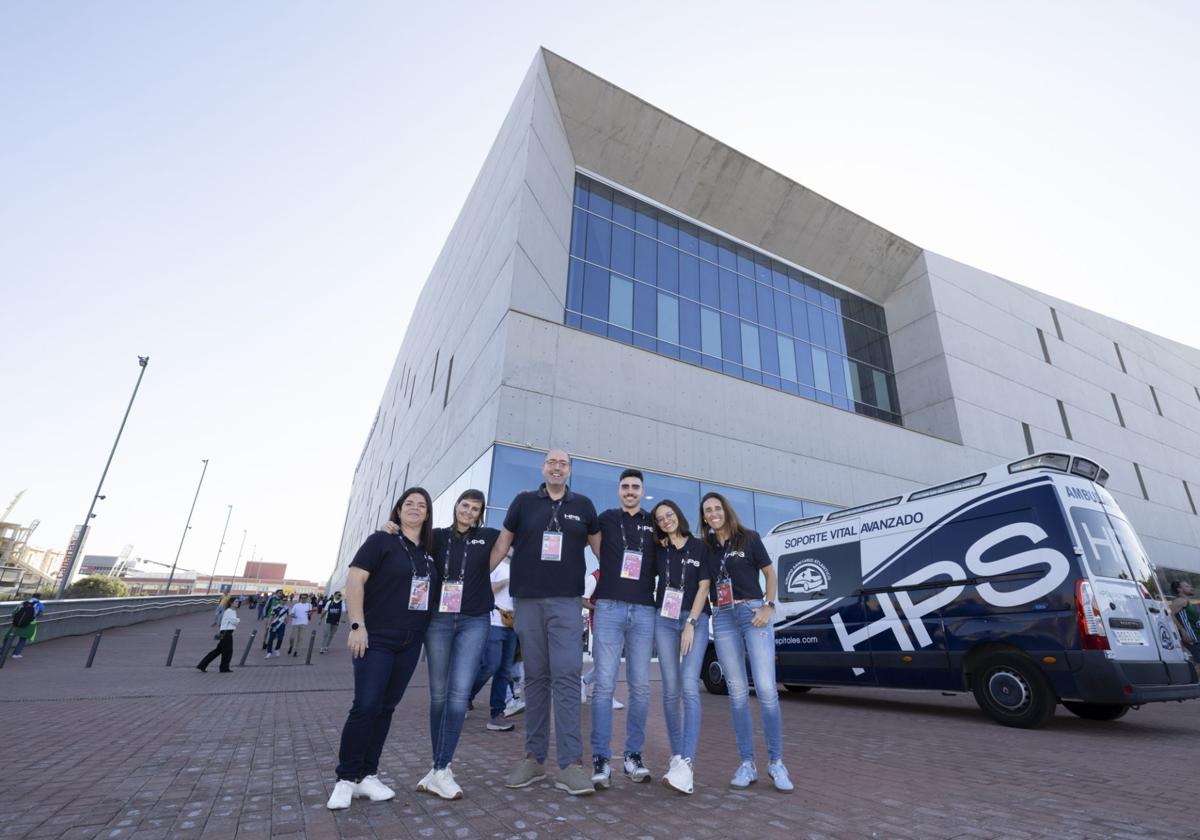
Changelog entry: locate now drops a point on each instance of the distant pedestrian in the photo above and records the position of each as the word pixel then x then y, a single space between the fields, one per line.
pixel 24 623
pixel 276 631
pixel 272 602
pixel 221 605
pixel 1185 607
pixel 224 648
pixel 299 614
pixel 498 652
pixel 333 617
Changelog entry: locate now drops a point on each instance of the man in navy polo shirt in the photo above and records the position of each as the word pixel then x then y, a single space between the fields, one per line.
pixel 624 619
pixel 547 530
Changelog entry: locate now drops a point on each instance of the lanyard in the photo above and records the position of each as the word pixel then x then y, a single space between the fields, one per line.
pixel 728 551
pixel 404 542
pixel 462 571
pixel 553 525
pixel 684 556
pixel 641 534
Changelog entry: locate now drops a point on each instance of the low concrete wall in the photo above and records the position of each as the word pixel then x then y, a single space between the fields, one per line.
pixel 78 617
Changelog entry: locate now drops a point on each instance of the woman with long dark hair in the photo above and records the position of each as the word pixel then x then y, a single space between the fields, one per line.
pixel 743 628
pixel 388 600
pixel 457 632
pixel 681 634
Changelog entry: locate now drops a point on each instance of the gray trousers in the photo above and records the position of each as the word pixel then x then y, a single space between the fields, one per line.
pixel 330 630
pixel 552 649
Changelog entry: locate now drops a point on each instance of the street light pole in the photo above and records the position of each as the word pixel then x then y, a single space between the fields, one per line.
pixel 187 527
pixel 69 563
pixel 238 561
pixel 219 547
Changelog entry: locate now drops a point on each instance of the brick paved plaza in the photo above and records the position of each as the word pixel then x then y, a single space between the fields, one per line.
pixel 131 749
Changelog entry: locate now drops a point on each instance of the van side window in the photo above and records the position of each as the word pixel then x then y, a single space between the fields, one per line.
pixel 1113 550
pixel 821 573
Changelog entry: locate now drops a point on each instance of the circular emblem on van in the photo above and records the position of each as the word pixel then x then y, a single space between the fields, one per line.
pixel 1165 637
pixel 807 576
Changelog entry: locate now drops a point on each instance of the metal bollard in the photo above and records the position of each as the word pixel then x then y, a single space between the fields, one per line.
pixel 249 644
pixel 312 640
pixel 4 650
pixel 174 642
pixel 92 655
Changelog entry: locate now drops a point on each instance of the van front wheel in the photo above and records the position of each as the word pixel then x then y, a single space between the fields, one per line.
pixel 1096 711
pixel 1012 690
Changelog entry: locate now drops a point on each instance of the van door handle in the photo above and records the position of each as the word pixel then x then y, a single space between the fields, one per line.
pixel 1154 610
pixel 1125 624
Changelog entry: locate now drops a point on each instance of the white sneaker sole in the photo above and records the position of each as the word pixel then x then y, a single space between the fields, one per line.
pixel 525 784
pixel 675 787
pixel 438 793
pixel 580 792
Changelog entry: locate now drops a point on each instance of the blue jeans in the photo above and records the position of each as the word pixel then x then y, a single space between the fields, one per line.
pixel 496 665
pixel 453 647
pixel 737 640
pixel 19 646
pixel 380 677
pixel 681 680
pixel 619 625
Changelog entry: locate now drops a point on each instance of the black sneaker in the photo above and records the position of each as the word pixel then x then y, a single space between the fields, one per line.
pixel 601 772
pixel 634 769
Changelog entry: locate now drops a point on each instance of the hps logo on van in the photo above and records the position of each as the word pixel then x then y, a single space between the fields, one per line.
pixel 997 548
pixel 808 576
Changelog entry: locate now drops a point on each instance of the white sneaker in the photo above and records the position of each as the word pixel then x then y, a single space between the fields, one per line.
pixel 268 656
pixel 343 792
pixel 374 789
pixel 680 776
pixel 515 707
pixel 426 781
pixel 441 783
pixel 617 704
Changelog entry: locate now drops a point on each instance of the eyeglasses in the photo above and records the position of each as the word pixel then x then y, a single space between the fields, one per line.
pixel 557 463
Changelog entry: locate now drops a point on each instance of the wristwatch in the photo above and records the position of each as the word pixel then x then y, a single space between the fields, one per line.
pixel 692 621
pixel 770 604
pixel 354 625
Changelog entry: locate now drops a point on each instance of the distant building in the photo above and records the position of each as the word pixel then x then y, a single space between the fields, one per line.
pixel 265 571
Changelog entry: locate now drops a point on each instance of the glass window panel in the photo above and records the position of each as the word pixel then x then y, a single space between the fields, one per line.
pixel 858 338
pixel 620 302
pixel 578 232
pixel 769 351
pixel 750 375
pixel 729 290
pixel 787 358
pixel 689 276
pixel 804 365
pixel 581 190
pixel 620 334
pixel 708 246
pixel 762 269
pixel 689 325
pixel 856 388
pixel 816 326
pixel 688 238
pixel 666 349
pixel 575 286
pixel 667 229
pixel 779 278
pixel 595 292
pixel 645 250
pixel 624 210
pixel 573 320
pixel 770 510
pixel 726 254
pixel 647 219
pixel 750 355
pixel 834 339
pixel 820 363
pixel 812 291
pixel 837 374
pixel 747 303
pixel 881 390
pixel 709 288
pixel 828 296
pixel 742 502
pixel 644 316
pixel 690 356
pixel 599 240
pixel 766 304
pixel 783 312
pixel 595 326
pixel 668 318
pixel 710 332
pixel 644 341
pixel 668 268
pixel 745 262
pixel 711 362
pixel 799 318
pixel 513 471
pixel 601 201
pixel 682 491
pixel 622 250
pixel 596 481
pixel 731 338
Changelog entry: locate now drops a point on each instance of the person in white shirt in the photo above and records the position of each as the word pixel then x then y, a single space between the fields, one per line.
pixel 498 651
pixel 299 615
pixel 224 648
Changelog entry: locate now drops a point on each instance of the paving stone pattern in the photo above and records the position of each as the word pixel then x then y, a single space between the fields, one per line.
pixel 131 749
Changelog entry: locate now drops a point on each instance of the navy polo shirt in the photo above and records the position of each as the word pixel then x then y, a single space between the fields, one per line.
pixel 390 561
pixel 742 563
pixel 529 516
pixel 620 531
pixel 466 558
pixel 684 567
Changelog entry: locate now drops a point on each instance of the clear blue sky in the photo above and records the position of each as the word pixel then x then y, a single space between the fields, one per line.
pixel 253 193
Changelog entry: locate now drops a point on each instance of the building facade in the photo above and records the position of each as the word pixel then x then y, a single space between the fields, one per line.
pixel 634 291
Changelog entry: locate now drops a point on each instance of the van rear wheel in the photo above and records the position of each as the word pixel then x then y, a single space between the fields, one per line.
pixel 712 675
pixel 1012 690
pixel 1096 711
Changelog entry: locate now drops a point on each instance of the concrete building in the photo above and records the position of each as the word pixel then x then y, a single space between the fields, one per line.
pixel 626 287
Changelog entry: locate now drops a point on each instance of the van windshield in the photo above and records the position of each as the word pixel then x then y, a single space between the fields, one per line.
pixel 1113 549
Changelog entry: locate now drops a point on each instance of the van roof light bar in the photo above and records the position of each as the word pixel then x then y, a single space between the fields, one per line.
pixel 842 514
pixel 1084 468
pixel 1045 461
pixel 949 487
pixel 795 524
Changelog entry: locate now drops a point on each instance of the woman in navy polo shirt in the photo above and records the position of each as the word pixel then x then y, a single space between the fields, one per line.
pixel 388 599
pixel 457 632
pixel 681 634
pixel 743 628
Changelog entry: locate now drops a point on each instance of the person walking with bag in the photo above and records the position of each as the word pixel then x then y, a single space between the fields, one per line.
pixel 224 648
pixel 24 624
pixel 388 592
pixel 333 617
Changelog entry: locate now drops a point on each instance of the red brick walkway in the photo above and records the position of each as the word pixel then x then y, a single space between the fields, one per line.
pixel 131 749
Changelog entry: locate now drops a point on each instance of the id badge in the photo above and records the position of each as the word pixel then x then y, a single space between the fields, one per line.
pixel 631 565
pixel 451 598
pixel 672 603
pixel 552 546
pixel 418 594
pixel 724 593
